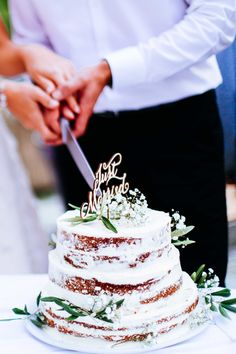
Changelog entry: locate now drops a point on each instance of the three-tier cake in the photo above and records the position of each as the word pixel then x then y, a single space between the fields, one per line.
pixel 127 285
pixel 115 276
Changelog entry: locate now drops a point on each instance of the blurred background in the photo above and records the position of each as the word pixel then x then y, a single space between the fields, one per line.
pixel 37 160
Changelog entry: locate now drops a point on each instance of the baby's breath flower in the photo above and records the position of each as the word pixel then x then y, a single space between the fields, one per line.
pixel 180 225
pixel 176 216
pixel 108 310
pixel 131 207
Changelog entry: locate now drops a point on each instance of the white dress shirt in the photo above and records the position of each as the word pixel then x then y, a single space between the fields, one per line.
pixel 159 51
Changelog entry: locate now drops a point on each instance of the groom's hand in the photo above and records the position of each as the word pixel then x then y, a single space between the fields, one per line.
pixel 88 85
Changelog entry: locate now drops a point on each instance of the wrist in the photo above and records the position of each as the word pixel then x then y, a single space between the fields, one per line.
pixel 22 54
pixel 105 73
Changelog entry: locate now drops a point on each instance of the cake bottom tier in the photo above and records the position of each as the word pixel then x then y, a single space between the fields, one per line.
pixel 139 326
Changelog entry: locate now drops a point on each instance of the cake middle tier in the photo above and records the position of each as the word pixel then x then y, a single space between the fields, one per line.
pixel 135 285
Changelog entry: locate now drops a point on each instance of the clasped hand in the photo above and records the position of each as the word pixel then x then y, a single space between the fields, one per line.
pixel 59 90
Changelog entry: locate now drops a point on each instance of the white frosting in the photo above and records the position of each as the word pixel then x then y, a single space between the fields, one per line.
pixel 153 238
pixel 156 270
pixel 171 309
pixel 156 221
pixel 141 255
pixel 119 258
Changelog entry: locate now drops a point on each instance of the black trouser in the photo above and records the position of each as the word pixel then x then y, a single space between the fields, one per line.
pixel 174 154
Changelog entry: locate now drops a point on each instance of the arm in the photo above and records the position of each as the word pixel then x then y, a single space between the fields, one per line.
pixel 47 69
pixel 10 59
pixel 208 27
pixel 24 100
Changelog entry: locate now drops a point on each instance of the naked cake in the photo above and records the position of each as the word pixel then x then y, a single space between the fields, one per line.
pixel 114 275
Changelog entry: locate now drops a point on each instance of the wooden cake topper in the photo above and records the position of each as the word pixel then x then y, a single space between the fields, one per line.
pixel 105 173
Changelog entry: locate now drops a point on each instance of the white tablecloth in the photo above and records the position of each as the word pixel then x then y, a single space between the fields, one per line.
pixel 16 291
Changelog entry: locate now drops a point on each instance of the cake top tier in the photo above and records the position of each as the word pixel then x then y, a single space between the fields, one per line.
pixel 154 223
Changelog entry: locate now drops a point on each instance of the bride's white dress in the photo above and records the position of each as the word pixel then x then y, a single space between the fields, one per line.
pixel 23 245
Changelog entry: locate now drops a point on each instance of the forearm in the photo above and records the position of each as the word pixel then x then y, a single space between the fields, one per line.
pixel 207 28
pixel 10 60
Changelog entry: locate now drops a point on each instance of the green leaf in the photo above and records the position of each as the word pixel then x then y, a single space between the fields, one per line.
pixel 26 310
pixel 199 272
pixel 68 309
pixel 74 219
pixel 229 302
pixel 101 312
pixel 71 318
pixel 183 243
pixel 74 206
pixel 103 318
pixel 50 299
pixel 202 279
pixel 194 276
pixel 71 309
pixel 78 220
pixel 223 293
pixel 52 244
pixel 19 311
pixel 38 298
pixel 223 312
pixel 182 232
pixel 229 307
pixel 106 319
pixel 108 224
pixel 213 307
pixel 36 322
pixel 119 303
pixel 40 318
pixel 90 218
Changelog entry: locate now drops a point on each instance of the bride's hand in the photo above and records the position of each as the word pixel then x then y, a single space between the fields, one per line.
pixel 49 70
pixel 26 102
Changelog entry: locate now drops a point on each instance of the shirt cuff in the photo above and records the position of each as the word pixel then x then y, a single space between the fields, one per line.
pixel 127 67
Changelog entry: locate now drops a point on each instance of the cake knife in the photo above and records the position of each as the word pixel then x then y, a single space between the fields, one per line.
pixel 77 154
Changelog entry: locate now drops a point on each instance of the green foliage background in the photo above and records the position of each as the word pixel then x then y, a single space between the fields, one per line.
pixel 4 13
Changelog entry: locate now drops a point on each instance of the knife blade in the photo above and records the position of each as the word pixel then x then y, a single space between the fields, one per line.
pixel 77 153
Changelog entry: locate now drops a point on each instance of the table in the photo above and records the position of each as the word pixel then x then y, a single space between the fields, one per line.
pixel 18 290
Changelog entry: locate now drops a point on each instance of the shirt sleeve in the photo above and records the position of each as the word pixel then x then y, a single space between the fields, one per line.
pixel 26 26
pixel 207 28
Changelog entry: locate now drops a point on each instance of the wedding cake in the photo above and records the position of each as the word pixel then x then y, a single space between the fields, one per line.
pixel 115 276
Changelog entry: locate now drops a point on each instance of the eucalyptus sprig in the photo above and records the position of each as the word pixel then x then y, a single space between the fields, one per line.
pixel 76 311
pixel 37 318
pixel 213 300
pixel 76 220
pixel 179 230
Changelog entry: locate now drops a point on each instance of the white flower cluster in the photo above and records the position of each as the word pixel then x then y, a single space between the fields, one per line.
pixel 104 302
pixel 212 282
pixel 201 315
pixel 178 221
pixel 132 207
